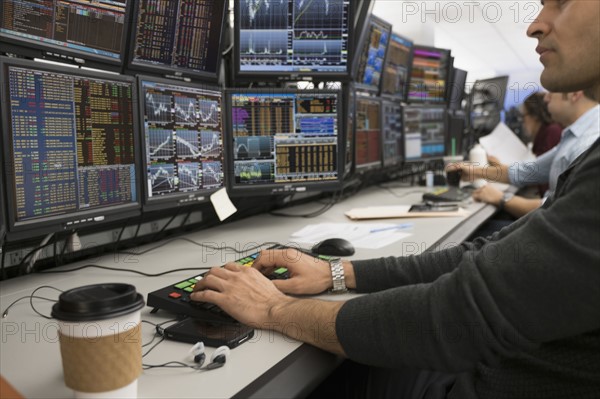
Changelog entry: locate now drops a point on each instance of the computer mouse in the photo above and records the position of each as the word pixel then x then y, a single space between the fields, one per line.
pixel 334 247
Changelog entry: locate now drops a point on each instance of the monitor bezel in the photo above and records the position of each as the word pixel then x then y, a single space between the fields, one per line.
pixel 361 46
pixel 480 82
pixel 445 128
pixel 456 104
pixel 31 48
pixel 79 218
pixel 349 117
pixel 372 166
pixel 403 96
pixel 3 217
pixel 448 69
pixel 172 71
pixel 179 199
pixel 238 190
pixel 283 76
pixel 399 159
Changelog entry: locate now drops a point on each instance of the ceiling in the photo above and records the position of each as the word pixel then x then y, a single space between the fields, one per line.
pixel 487 38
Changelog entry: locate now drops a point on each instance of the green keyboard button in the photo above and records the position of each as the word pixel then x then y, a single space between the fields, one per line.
pixel 188 289
pixel 193 280
pixel 281 270
pixel 183 285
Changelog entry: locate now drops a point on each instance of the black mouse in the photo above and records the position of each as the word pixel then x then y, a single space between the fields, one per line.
pixel 334 247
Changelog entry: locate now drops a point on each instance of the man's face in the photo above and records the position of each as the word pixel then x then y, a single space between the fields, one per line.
pixel 568 33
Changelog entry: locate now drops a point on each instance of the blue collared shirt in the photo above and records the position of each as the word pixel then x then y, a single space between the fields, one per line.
pixel 575 139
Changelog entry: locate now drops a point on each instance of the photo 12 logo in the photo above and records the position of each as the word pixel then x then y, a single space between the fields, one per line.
pixel 469 11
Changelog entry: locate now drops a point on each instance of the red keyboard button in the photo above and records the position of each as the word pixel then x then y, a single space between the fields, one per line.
pixel 175 295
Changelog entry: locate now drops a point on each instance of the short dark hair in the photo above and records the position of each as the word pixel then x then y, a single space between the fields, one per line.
pixel 536 107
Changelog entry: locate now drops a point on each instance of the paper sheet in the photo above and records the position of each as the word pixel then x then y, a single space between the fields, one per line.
pixel 400 211
pixel 506 146
pixel 363 235
pixel 222 204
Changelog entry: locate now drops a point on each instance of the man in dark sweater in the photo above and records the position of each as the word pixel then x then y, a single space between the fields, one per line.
pixel 515 316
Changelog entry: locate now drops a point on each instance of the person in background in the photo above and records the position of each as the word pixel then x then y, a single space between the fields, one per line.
pixel 512 316
pixel 581 115
pixel 538 124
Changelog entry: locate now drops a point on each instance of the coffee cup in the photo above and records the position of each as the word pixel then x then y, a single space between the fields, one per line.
pixel 100 339
pixel 453 174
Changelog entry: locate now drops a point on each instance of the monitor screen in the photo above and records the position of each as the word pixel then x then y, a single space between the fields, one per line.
pixel 371 56
pixel 429 75
pixel 289 39
pixel 393 154
pixel 182 37
pixel 457 89
pixel 71 138
pixel 367 136
pixel 284 141
pixel 397 67
pixel 182 141
pixel 80 30
pixel 424 132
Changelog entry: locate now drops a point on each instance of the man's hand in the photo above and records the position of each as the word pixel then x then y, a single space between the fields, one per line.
pixel 488 194
pixel 242 292
pixel 308 275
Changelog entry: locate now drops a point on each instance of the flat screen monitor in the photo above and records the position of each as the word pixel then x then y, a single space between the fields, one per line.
pixel 486 103
pixel 293 39
pixel 181 38
pixel 393 151
pixel 396 71
pixel 424 132
pixel 457 89
pixel 85 32
pixel 280 141
pixel 429 75
pixel 71 137
pixel 2 215
pixel 373 47
pixel 182 142
pixel 367 135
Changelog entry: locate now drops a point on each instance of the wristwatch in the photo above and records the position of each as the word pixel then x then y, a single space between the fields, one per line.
pixel 505 198
pixel 337 276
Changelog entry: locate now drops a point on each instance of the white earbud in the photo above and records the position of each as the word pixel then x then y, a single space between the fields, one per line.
pixel 197 353
pixel 218 358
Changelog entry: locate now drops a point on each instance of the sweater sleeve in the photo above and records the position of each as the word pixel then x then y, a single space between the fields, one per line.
pixel 536 283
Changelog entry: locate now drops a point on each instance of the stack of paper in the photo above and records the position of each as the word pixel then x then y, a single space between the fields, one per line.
pixel 398 211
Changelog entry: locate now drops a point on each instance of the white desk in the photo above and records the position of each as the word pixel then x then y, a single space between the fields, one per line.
pixel 269 365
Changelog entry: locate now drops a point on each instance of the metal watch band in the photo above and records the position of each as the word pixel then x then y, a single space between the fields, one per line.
pixel 505 198
pixel 337 276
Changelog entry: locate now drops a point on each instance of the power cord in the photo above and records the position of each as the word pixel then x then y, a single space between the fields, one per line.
pixel 117 269
pixel 202 245
pixel 31 297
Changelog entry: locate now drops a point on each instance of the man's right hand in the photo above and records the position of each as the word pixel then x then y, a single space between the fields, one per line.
pixel 308 275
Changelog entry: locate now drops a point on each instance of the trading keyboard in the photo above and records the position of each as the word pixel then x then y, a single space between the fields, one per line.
pixel 448 194
pixel 176 298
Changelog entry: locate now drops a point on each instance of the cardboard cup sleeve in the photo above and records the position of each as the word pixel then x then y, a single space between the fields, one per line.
pixel 104 363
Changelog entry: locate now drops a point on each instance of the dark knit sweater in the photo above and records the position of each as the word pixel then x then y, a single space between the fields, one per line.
pixel 518 314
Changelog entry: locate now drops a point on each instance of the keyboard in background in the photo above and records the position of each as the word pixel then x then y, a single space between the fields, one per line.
pixel 448 194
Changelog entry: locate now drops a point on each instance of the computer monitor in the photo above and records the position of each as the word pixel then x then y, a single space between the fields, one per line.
pixel 70 137
pixel 182 142
pixel 429 75
pixel 396 71
pixel 486 103
pixel 89 33
pixel 457 89
pixel 181 38
pixel 280 141
pixel 367 133
pixel 393 152
pixel 2 214
pixel 424 132
pixel 293 39
pixel 372 47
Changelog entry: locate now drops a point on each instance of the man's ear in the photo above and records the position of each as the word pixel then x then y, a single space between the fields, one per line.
pixel 576 96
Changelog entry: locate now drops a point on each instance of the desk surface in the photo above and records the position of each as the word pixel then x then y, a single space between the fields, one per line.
pixel 270 365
